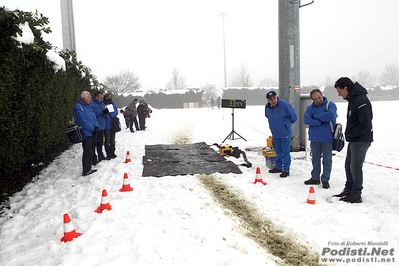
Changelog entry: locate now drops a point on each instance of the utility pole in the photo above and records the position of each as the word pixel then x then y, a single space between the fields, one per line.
pixel 223 15
pixel 289 63
pixel 68 25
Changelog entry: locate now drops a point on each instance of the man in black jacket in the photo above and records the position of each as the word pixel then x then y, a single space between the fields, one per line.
pixel 133 115
pixel 358 134
pixel 142 112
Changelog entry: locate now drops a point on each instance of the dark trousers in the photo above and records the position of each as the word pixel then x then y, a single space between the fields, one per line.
pixel 142 122
pixel 98 145
pixel 87 144
pixel 355 155
pixel 136 124
pixel 109 142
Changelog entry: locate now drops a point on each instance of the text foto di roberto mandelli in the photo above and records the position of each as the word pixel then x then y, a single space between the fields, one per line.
pixel 354 243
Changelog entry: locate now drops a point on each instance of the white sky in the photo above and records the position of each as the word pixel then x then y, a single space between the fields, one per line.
pixel 150 38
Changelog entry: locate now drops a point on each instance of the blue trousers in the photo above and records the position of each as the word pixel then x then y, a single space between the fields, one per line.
pixel 321 151
pixel 355 155
pixel 283 148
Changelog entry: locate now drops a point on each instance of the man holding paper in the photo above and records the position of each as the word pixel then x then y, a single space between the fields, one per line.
pixel 109 133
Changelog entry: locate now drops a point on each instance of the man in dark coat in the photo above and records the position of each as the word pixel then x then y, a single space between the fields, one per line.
pixel 133 115
pixel 359 135
pixel 142 112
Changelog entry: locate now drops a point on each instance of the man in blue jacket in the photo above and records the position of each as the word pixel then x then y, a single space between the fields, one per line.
pixel 101 112
pixel 358 134
pixel 280 115
pixel 318 116
pixel 85 117
pixel 109 132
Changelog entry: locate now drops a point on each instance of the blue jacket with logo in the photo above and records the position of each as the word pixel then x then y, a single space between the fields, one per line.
pixel 85 117
pixel 108 118
pixel 280 118
pixel 98 109
pixel 318 118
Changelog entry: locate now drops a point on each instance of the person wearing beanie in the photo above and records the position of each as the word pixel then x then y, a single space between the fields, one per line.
pixel 142 112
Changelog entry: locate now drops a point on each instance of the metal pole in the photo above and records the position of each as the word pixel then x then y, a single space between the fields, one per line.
pixel 68 25
pixel 289 63
pixel 222 15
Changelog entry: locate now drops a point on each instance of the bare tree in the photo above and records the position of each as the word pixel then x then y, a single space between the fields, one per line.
pixel 365 78
pixel 209 91
pixel 391 75
pixel 268 83
pixel 242 79
pixel 327 82
pixel 124 82
pixel 177 82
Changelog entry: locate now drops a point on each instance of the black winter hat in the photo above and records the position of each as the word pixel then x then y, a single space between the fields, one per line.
pixel 270 94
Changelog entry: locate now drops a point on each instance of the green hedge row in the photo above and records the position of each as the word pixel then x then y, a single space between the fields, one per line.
pixel 36 102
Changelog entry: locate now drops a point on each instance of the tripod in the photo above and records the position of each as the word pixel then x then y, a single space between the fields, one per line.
pixel 231 135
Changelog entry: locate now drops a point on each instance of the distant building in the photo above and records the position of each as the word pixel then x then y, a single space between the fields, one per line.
pixel 68 25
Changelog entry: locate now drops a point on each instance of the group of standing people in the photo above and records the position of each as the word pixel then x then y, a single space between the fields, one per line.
pixel 319 115
pixel 95 118
pixel 211 102
pixel 132 111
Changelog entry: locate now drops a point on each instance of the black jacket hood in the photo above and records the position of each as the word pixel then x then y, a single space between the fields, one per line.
pixel 357 89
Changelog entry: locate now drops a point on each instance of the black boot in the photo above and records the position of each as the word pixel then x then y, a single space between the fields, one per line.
pixel 275 170
pixel 344 193
pixel 352 199
pixel 284 174
pixel 312 182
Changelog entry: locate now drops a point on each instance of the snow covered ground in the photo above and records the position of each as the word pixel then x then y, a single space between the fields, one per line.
pixel 174 220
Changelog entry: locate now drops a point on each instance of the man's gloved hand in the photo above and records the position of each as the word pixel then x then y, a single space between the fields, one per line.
pixel 106 111
pixel 95 131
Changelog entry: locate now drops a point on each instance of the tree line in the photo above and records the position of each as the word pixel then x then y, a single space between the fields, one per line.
pixel 37 96
pixel 128 82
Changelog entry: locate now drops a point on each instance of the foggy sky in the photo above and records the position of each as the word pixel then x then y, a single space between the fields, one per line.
pixel 151 38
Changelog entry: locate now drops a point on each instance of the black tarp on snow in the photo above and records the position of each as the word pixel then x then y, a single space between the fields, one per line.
pixel 185 159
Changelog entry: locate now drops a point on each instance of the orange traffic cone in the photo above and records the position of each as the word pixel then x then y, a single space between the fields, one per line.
pixel 69 231
pixel 104 203
pixel 311 196
pixel 126 185
pixel 258 177
pixel 128 157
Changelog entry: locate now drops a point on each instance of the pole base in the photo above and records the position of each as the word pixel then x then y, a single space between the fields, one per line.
pixel 231 136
